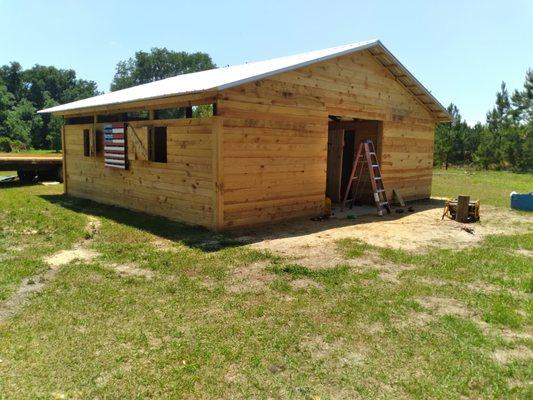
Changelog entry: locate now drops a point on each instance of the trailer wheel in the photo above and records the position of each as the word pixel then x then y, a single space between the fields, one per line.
pixel 46 176
pixel 26 177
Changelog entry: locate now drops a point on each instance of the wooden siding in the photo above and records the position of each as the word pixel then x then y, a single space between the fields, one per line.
pixel 181 189
pixel 274 137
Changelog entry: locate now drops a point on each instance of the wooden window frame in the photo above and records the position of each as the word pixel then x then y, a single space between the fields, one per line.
pixel 158 152
pixel 87 142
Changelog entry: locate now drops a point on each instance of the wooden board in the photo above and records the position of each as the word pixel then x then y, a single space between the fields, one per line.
pixel 334 166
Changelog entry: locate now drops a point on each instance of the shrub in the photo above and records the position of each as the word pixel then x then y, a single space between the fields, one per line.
pixel 6 144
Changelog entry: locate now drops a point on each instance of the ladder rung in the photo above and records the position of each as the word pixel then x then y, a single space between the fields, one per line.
pixel 377 177
pixel 383 203
pixel 375 165
pixel 380 190
pixel 372 153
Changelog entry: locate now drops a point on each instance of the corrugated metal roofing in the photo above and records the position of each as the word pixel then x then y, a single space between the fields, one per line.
pixel 227 77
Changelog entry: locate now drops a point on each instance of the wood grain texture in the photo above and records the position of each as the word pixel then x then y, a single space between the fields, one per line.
pixel 275 135
pixel 181 189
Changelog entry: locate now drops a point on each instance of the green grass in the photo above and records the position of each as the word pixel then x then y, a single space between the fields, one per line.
pixel 491 187
pixel 33 151
pixel 193 332
pixel 8 173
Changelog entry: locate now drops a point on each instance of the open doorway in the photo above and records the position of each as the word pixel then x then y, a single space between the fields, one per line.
pixel 344 137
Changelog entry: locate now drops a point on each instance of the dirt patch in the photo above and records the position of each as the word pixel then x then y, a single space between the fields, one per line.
pixel 488 288
pixel 414 319
pixel 433 282
pixel 27 288
pixel 374 328
pixel 164 245
pixel 249 278
pixel 388 271
pixel 234 375
pixel 444 306
pixel 132 270
pixel 520 353
pixel 92 227
pixel 313 242
pixel 64 257
pixel 525 253
pixel 318 348
pixel 304 283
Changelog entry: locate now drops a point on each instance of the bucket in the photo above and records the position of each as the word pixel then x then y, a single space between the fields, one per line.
pixel 522 201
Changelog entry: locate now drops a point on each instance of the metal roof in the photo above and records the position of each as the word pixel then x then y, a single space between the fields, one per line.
pixel 223 78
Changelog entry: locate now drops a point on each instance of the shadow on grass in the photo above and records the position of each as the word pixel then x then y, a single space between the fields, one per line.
pixel 205 240
pixel 193 236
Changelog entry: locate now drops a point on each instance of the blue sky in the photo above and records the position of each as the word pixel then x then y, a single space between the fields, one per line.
pixel 460 50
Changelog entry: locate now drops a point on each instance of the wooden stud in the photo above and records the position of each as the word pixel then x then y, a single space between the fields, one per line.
pixel 396 194
pixel 218 173
pixel 64 165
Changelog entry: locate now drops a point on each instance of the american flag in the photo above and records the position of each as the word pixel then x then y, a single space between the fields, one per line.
pixel 115 145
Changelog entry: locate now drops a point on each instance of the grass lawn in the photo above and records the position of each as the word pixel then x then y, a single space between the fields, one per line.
pixel 169 311
pixel 492 187
pixel 8 173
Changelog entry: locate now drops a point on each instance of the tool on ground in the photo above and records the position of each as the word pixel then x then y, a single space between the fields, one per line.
pixel 396 195
pixel 366 157
pixel 451 208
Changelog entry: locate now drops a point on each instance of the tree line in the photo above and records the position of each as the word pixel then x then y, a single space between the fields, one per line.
pixel 504 141
pixel 24 92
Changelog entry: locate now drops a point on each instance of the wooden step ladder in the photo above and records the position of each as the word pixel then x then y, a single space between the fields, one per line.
pixel 366 156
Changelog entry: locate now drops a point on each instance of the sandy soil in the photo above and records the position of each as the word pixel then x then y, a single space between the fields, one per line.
pixel 312 242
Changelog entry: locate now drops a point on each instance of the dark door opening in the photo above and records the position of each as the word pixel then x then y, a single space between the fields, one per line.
pixel 343 140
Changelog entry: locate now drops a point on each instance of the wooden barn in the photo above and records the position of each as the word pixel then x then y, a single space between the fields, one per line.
pixel 253 143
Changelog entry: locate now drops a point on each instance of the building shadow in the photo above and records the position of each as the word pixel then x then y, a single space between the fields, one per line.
pixel 208 241
pixel 192 236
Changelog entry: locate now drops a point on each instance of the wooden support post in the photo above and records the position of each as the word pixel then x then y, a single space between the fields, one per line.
pixel 64 164
pixel 188 112
pixel 218 174
pixel 93 137
pixel 462 208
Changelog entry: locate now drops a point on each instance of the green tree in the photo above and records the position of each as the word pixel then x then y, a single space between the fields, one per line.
pixel 34 89
pixel 157 64
pixel 54 125
pixel 450 139
pixel 21 121
pixel 12 76
pixel 499 121
pixel 523 100
pixel 485 154
pixel 6 102
pixel 46 86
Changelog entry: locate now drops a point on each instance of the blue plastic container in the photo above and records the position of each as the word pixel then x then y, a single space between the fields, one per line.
pixel 522 201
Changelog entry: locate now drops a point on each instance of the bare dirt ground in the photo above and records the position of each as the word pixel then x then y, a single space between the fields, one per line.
pixel 312 242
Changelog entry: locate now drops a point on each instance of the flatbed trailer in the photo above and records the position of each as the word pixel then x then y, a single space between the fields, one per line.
pixel 32 167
